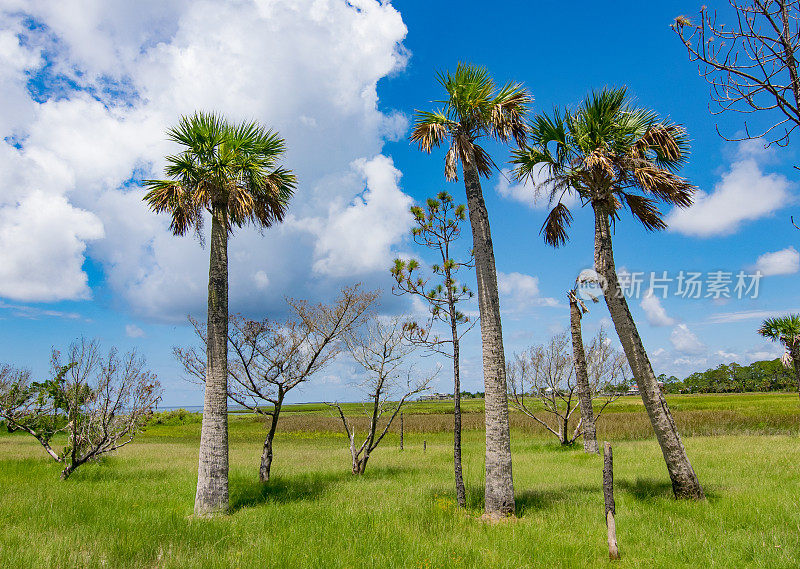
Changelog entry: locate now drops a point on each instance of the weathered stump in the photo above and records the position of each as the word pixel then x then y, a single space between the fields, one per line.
pixel 608 495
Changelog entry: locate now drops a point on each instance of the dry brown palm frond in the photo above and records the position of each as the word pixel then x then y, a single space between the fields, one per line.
pixel 662 138
pixel 483 162
pixel 428 135
pixel 598 160
pixel 556 224
pixel 645 210
pixel 665 185
pixel 451 164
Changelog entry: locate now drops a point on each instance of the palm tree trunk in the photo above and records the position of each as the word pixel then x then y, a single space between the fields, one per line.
pixel 499 490
pixel 796 361
pixel 588 428
pixel 461 496
pixel 684 480
pixel 212 474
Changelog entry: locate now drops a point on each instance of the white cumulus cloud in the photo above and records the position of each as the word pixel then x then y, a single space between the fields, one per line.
pixel 745 193
pixel 783 262
pixel 519 292
pixel 110 78
pixel 656 315
pixel 685 341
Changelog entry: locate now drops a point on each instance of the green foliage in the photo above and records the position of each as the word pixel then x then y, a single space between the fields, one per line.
pixel 230 167
pixel 604 152
pixel 474 108
pixel 437 228
pixel 785 329
pixel 769 375
pixel 401 513
pixel 176 417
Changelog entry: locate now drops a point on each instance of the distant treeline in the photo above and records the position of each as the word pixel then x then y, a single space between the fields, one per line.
pixel 735 378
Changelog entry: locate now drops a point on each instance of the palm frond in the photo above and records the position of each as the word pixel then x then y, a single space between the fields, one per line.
pixel 645 210
pixel 556 224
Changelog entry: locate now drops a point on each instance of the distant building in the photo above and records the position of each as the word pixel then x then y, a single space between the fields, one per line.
pixel 436 397
pixel 634 389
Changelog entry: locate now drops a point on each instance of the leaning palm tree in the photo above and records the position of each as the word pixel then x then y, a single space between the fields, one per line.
pixel 785 330
pixel 231 172
pixel 614 156
pixel 475 108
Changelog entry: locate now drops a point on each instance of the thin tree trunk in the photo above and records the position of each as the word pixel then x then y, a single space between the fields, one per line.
pixel 461 495
pixel 266 454
pixel 684 480
pixel 608 498
pixel 588 428
pixel 401 431
pixel 499 490
pixel 212 474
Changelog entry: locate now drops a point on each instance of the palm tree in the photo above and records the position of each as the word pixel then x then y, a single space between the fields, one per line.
pixel 785 330
pixel 231 172
pixel 475 108
pixel 615 156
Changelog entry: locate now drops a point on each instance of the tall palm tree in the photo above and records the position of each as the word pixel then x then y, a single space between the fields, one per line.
pixel 615 156
pixel 476 108
pixel 231 172
pixel 785 330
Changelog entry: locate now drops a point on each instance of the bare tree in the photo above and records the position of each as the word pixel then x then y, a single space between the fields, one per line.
pixel 99 402
pixel 750 65
pixel 437 227
pixel 268 359
pixel 543 377
pixel 381 349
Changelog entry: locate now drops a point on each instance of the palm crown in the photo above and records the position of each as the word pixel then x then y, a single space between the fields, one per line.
pixel 474 108
pixel 232 167
pixel 612 155
pixel 785 330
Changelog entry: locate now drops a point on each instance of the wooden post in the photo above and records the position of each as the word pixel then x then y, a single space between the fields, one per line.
pixel 608 495
pixel 401 431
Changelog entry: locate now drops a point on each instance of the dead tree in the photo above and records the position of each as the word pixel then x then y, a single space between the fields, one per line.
pixel 438 227
pixel 100 402
pixel 751 63
pixel 269 359
pixel 380 348
pixel 608 498
pixel 577 308
pixel 543 377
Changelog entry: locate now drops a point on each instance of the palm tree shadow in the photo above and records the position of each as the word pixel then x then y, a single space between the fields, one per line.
pixel 650 489
pixel 527 501
pixel 646 489
pixel 247 492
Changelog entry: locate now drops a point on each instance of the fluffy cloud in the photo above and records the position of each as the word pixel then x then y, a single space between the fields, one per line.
pixel 783 262
pixel 685 341
pixel 43 239
pixel 133 331
pixel 89 91
pixel 381 213
pixel 534 192
pixel 656 315
pixel 744 193
pixel 519 292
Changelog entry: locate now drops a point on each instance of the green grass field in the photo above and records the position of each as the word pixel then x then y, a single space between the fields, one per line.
pixel 134 509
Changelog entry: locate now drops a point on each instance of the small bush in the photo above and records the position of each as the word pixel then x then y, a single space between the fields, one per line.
pixel 176 417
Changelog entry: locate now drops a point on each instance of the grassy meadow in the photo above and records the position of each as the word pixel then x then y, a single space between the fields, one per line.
pixel 134 509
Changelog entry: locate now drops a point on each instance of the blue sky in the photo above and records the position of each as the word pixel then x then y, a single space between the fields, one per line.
pixel 88 94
